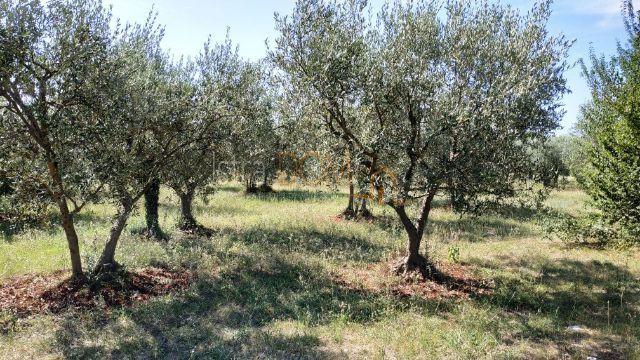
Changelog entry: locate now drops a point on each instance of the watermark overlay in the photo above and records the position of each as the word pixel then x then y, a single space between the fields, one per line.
pixel 382 181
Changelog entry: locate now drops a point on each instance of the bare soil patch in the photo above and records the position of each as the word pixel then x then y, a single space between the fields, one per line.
pixel 454 281
pixel 53 293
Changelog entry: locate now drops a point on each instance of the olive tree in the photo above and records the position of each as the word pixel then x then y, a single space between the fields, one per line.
pixel 52 60
pixel 439 100
pixel 315 155
pixel 211 76
pixel 229 119
pixel 253 136
pixel 332 30
pixel 138 126
pixel 187 161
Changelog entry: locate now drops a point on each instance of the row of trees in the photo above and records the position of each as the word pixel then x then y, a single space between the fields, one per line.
pixel 424 99
pixel 93 112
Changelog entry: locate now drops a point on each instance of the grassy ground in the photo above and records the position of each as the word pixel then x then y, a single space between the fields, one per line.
pixel 267 288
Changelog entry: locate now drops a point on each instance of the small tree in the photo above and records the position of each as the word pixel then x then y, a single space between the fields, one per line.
pixel 253 137
pixel 611 127
pixel 194 167
pixel 228 118
pixel 548 164
pixel 181 77
pixel 436 103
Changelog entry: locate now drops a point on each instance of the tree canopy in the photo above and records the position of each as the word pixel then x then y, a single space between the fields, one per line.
pixel 436 103
pixel 610 124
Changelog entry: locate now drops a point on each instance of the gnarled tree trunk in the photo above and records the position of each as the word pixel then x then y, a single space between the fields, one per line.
pixel 414 261
pixel 107 261
pixel 349 212
pixel 67 220
pixel 151 204
pixel 187 220
pixel 363 212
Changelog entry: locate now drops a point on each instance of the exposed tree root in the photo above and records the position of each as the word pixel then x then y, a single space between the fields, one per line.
pixel 158 234
pixel 265 189
pixel 455 281
pixel 196 229
pixel 262 189
pixel 106 271
pixel 350 214
pixel 365 214
pixel 417 264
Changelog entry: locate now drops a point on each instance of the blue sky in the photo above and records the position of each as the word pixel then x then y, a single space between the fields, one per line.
pixel 188 23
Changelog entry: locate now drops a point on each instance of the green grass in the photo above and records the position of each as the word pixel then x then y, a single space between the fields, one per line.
pixel 265 287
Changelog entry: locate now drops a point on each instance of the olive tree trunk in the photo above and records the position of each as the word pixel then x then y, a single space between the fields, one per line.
pixel 250 185
pixel 66 219
pixel 187 220
pixel 349 212
pixel 414 261
pixel 151 204
pixel 363 211
pixel 107 261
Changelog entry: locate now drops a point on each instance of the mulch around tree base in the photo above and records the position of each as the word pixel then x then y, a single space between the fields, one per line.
pixel 27 295
pixel 456 281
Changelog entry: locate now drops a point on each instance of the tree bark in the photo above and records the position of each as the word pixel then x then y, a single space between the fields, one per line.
pixel 364 212
pixel 265 188
pixel 412 232
pixel 250 185
pixel 351 195
pixel 151 203
pixel 187 220
pixel 67 220
pixel 349 212
pixel 414 261
pixel 265 182
pixel 107 261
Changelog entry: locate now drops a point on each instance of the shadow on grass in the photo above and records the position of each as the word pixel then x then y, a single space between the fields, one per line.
pixel 213 208
pixel 476 229
pixel 229 316
pixel 10 228
pixel 300 195
pixel 235 188
pixel 599 295
pixel 527 214
pixel 466 228
pixel 507 222
pixel 311 242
